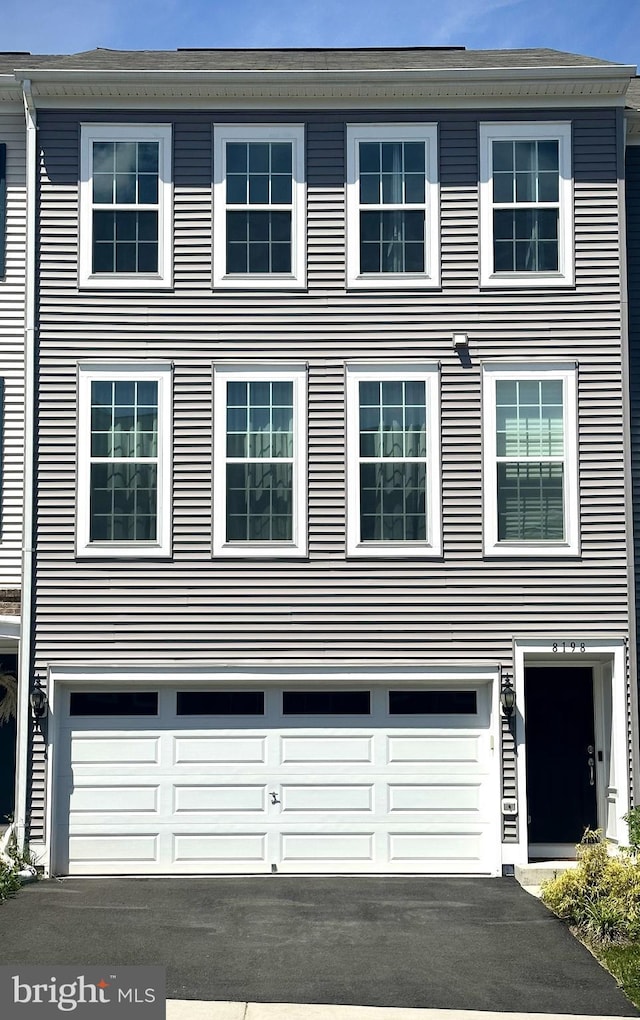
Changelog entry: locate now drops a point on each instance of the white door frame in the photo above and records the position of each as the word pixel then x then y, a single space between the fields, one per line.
pixel 567 650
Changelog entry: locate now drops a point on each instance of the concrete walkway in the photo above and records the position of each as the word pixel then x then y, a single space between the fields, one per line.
pixel 189 1010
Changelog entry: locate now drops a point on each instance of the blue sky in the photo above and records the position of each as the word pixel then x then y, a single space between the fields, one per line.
pixel 603 28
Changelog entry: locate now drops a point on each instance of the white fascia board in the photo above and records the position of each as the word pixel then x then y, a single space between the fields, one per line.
pixel 573 82
pixel 573 72
pixel 296 104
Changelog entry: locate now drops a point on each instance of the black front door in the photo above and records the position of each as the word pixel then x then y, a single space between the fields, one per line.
pixel 7 769
pixel 560 753
pixel 8 664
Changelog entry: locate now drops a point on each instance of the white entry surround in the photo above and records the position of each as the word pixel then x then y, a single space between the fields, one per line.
pixel 173 793
pixel 608 660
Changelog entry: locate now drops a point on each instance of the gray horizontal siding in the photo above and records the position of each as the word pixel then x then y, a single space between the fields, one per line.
pixel 12 134
pixel 632 192
pixel 325 326
pixel 461 608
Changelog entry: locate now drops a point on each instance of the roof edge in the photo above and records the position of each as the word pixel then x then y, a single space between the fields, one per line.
pixel 560 71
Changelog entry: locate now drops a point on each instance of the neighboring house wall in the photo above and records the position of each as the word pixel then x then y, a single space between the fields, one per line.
pixel 463 608
pixel 633 277
pixel 12 134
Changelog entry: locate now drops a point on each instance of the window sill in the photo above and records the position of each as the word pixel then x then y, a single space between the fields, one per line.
pixel 125 281
pixel 258 551
pixel 249 282
pixel 388 281
pixel 389 550
pixel 123 552
pixel 537 550
pixel 524 281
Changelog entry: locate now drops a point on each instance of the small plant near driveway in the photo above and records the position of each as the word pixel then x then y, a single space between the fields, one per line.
pixel 16 867
pixel 9 881
pixel 600 900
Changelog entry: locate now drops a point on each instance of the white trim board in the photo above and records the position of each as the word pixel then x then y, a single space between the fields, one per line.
pixel 539 652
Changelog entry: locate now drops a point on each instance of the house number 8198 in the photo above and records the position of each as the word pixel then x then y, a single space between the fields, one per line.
pixel 568 646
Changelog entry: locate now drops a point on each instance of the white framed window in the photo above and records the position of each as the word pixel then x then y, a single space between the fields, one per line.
pixel 124 459
pixel 526 205
pixel 530 460
pixel 259 205
pixel 393 235
pixel 393 460
pixel 260 461
pixel 125 205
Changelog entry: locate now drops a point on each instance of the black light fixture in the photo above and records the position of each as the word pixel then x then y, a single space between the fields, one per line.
pixel 507 695
pixel 38 699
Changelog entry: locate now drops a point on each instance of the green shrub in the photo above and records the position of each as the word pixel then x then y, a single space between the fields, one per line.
pixel 633 820
pixel 9 881
pixel 601 895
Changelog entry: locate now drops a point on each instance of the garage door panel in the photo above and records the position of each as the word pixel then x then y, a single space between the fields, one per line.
pixel 114 799
pixel 325 750
pixel 219 750
pixel 100 749
pixel 336 846
pixel 435 797
pixel 121 848
pixel 220 846
pixel 435 846
pixel 432 748
pixel 213 799
pixel 326 797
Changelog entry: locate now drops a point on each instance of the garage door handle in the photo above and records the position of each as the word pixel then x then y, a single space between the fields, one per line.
pixel 274 797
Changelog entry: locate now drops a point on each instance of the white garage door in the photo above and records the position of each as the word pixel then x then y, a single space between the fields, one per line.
pixel 177 781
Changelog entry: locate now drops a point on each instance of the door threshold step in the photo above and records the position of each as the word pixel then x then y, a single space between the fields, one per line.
pixel 531 876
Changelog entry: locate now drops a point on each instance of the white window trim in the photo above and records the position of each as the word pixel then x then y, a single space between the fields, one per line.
pixel 294 133
pixel 430 375
pixel 160 133
pixel 567 373
pixel 531 131
pixel 427 133
pixel 296 374
pixel 162 373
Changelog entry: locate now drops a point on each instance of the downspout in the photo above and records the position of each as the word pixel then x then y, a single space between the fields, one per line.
pixel 626 396
pixel 24 667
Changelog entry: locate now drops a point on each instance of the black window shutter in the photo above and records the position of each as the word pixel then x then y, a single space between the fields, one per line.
pixel 3 208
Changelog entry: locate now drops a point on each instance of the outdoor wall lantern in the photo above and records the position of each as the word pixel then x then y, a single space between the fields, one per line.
pixel 38 699
pixel 507 695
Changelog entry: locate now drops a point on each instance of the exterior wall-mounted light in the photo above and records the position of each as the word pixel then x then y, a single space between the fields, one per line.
pixel 38 699
pixel 460 341
pixel 507 696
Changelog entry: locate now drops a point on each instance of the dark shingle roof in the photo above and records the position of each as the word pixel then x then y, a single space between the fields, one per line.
pixel 10 60
pixel 413 58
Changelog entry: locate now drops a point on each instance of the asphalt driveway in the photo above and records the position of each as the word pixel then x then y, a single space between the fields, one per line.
pixel 480 944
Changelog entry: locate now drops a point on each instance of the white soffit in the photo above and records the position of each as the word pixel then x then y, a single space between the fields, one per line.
pixel 575 84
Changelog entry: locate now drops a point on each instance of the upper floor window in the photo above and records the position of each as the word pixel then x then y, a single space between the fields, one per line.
pixel 260 461
pixel 392 205
pixel 125 205
pixel 259 197
pixel 124 460
pixel 393 460
pixel 530 460
pixel 526 204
